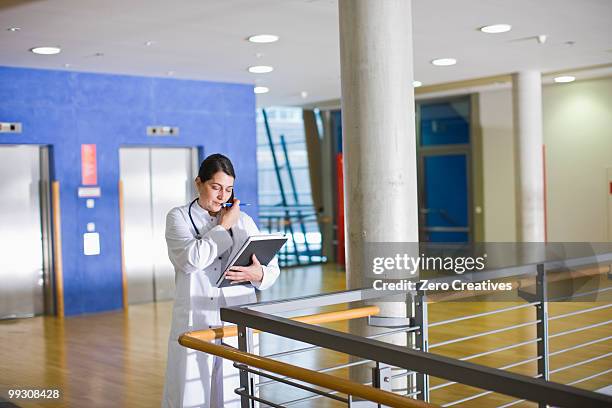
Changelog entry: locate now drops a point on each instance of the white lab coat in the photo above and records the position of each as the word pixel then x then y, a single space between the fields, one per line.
pixel 193 378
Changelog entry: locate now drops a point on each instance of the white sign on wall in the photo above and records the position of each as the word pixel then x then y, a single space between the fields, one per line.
pixel 91 243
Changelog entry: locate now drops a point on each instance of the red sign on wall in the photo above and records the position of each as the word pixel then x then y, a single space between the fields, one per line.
pixel 89 167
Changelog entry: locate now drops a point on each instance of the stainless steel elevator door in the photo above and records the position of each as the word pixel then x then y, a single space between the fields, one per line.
pixel 21 249
pixel 154 181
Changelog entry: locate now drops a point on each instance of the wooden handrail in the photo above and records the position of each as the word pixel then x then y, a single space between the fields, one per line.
pixel 124 284
pixel 319 318
pixel 57 249
pixel 302 374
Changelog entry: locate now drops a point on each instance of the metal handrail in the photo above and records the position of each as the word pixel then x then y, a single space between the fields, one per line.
pixel 511 365
pixel 302 374
pixel 469 374
pixel 519 391
pixel 431 364
pixel 509 404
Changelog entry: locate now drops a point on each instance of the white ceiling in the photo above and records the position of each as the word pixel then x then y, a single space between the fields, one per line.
pixel 206 39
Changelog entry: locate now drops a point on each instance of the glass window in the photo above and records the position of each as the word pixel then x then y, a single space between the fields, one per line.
pixel 445 123
pixel 296 215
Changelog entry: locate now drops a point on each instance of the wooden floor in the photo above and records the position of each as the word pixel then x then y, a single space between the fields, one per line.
pixel 118 359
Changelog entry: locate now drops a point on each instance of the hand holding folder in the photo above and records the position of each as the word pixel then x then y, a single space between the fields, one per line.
pixel 264 247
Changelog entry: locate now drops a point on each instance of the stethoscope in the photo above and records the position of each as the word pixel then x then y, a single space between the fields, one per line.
pixel 198 235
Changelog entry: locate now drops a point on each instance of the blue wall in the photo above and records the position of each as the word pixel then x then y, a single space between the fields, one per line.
pixel 66 109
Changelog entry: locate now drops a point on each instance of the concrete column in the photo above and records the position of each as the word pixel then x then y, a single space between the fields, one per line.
pixel 527 103
pixel 379 144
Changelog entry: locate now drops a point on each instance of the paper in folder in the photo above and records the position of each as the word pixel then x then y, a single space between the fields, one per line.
pixel 265 247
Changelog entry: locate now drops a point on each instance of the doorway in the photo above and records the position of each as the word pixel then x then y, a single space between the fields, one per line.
pixel 25 255
pixel 444 166
pixel 154 181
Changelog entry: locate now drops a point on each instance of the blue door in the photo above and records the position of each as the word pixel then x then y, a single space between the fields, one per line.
pixel 444 167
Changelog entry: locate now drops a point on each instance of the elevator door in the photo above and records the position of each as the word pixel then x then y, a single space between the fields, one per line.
pixel 154 181
pixel 21 246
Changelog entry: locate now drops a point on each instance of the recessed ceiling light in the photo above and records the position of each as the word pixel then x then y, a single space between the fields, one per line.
pixel 170 73
pixel 14 29
pixel 46 50
pixel 260 69
pixel 149 43
pixel 67 65
pixel 564 79
pixel 496 28
pixel 263 38
pixel 416 84
pixel 261 89
pixel 304 94
pixel 444 62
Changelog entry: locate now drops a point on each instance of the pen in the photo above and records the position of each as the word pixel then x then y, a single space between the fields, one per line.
pixel 230 204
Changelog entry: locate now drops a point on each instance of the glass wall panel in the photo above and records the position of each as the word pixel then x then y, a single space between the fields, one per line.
pixel 286 206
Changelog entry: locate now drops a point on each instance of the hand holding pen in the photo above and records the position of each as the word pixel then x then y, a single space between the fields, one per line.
pixel 225 205
pixel 229 215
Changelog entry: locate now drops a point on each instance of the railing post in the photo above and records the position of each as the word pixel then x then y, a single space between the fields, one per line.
pixel 244 344
pixel 381 379
pixel 542 326
pixel 422 341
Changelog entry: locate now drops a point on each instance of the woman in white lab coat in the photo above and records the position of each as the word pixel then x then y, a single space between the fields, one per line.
pixel 201 237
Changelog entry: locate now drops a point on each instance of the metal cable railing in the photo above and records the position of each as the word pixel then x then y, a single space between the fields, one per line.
pixel 415 362
pixel 578 346
pixel 561 316
pixel 324 370
pixel 583 362
pixel 491 312
pixel 487 333
pixel 540 359
pixel 245 360
pixel 579 329
pixel 284 380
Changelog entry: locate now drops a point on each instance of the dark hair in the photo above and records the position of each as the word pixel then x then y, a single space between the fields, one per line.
pixel 213 164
